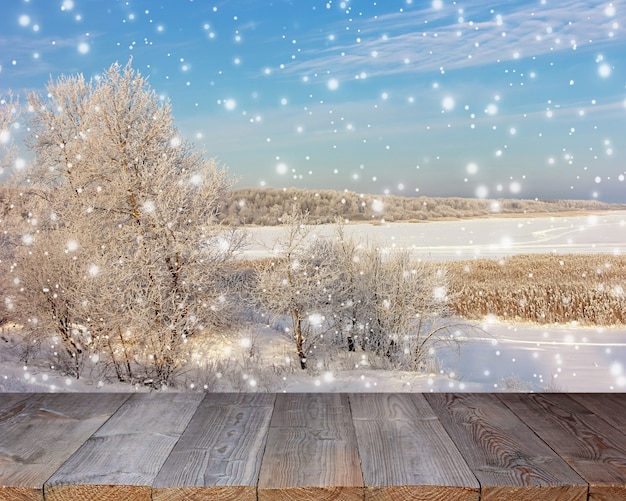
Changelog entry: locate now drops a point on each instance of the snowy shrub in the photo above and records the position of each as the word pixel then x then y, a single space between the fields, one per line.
pixel 342 295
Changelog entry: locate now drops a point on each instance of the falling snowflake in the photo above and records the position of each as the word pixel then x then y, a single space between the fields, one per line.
pixel 72 245
pixel 378 206
pixel 448 103
pixel 148 207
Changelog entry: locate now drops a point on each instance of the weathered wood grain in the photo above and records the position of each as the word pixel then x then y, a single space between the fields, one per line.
pixel 311 451
pixel 508 459
pixel 595 449
pixel 405 452
pixel 171 446
pixel 219 455
pixel 122 459
pixel 10 400
pixel 609 406
pixel 38 433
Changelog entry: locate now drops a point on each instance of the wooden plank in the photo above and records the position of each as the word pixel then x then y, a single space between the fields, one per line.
pixel 38 433
pixel 595 449
pixel 311 451
pixel 219 455
pixel 609 406
pixel 508 459
pixel 405 452
pixel 122 459
pixel 9 400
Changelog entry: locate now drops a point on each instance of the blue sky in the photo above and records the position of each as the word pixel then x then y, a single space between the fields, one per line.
pixel 517 98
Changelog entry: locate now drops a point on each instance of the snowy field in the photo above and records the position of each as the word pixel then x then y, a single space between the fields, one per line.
pixel 507 357
pixel 489 238
pixel 513 357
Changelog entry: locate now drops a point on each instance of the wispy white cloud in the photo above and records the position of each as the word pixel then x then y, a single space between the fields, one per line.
pixel 32 58
pixel 424 40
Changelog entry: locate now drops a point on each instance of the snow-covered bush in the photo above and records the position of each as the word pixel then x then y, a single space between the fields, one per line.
pixel 342 295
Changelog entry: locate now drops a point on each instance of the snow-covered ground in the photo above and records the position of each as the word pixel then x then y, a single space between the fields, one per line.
pixel 508 357
pixel 259 359
pixel 515 356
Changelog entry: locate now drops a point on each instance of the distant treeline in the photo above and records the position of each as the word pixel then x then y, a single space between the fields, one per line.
pixel 267 206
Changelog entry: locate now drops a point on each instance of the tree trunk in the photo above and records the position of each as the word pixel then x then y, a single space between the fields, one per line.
pixel 351 343
pixel 299 338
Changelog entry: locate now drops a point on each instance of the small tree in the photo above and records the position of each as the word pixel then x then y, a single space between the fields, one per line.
pixel 137 208
pixel 349 296
pixel 293 285
pixel 407 308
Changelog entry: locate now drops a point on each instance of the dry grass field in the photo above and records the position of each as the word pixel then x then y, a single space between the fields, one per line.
pixel 542 288
pixel 587 289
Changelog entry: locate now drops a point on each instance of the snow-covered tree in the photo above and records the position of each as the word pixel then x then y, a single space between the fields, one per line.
pixel 117 192
pixel 346 294
pixel 388 303
pixel 407 312
pixel 294 284
pixel 349 301
pixel 9 113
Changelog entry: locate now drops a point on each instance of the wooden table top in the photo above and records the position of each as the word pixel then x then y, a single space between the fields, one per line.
pixel 312 446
